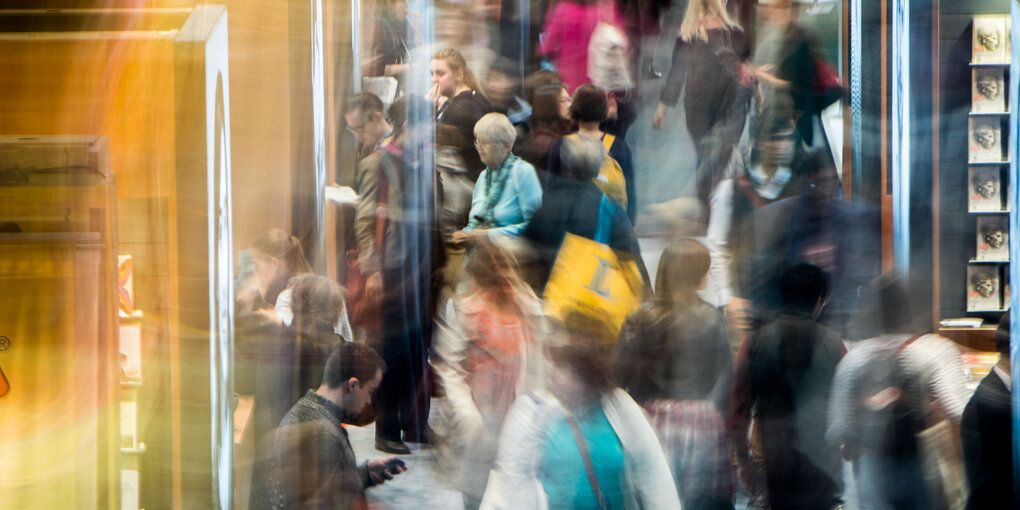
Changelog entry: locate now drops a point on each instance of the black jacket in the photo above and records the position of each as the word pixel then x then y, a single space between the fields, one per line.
pixel 986 430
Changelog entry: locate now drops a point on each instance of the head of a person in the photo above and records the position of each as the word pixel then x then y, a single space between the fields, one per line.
pixel 398 8
pixel 683 270
pixel 699 13
pixel 778 12
pixel 550 108
pixel 1002 333
pixel 365 118
pixel 581 158
pixel 501 83
pixel 579 361
pixel 803 289
pixel 589 104
pixel 538 79
pixel 450 72
pixel 491 266
pixel 277 256
pixel 494 137
pixel 353 372
pixel 316 302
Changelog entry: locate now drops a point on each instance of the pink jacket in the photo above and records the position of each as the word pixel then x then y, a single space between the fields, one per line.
pixel 568 28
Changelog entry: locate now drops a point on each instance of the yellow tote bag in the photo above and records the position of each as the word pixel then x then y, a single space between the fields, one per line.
pixel 588 278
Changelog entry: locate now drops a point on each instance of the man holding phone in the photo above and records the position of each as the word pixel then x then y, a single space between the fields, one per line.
pixel 308 460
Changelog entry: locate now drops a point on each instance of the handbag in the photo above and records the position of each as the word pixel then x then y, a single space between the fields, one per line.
pixel 364 313
pixel 590 279
pixel 828 87
pixel 608 56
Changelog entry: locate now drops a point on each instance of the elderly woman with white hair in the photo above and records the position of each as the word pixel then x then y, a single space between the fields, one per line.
pixel 507 192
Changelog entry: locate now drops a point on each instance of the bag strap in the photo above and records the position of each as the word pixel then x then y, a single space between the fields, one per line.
pixel 605 221
pixel 588 467
pixel 380 212
pixel 607 142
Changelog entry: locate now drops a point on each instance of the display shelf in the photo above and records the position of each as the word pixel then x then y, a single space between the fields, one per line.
pixel 1003 211
pixel 980 163
pixel 131 384
pixel 1003 310
pixel 990 64
pixel 134 451
pixel 978 261
pixel 986 114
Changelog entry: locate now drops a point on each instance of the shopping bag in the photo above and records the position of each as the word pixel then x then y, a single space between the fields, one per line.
pixel 590 279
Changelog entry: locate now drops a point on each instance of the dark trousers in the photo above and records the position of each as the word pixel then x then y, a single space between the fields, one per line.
pixel 402 400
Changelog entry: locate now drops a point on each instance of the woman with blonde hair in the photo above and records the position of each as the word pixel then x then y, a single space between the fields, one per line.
pixel 709 59
pixel 459 102
pixel 277 257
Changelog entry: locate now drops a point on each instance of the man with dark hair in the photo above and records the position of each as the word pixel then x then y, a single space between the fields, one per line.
pixel 308 461
pixel 785 371
pixel 987 431
pixel 366 120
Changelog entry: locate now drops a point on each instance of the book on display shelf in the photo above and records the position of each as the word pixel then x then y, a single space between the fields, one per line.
pixel 984 140
pixel 983 292
pixel 988 90
pixel 984 189
pixel 992 238
pixel 990 42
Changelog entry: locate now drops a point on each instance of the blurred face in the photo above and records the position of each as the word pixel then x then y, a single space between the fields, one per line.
pixel 267 269
pixel 444 77
pixel 369 129
pixel 492 153
pixel 361 395
pixel 499 88
pixel 564 104
pixel 778 151
pixel 399 9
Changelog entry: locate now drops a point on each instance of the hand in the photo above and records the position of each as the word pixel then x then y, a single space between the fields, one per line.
pixel 614 106
pixel 851 451
pixel 385 468
pixel 659 118
pixel 373 287
pixel 460 237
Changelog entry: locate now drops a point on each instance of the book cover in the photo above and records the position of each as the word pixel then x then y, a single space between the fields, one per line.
pixel 993 238
pixel 984 189
pixel 984 140
pixel 983 288
pixel 990 40
pixel 988 90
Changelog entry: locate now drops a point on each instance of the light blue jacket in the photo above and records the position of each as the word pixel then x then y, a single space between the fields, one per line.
pixel 516 205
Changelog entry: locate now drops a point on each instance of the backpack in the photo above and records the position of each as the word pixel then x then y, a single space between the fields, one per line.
pixel 608 58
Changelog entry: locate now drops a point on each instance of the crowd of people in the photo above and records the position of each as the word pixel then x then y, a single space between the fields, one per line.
pixel 753 362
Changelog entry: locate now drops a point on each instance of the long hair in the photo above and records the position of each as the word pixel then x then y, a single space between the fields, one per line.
pixel 693 25
pixel 284 247
pixel 683 265
pixel 456 62
pixel 545 107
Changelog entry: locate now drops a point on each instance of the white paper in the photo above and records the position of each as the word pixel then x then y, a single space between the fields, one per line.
pixel 984 189
pixel 343 195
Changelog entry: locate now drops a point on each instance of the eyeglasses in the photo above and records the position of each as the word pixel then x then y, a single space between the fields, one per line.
pixel 359 129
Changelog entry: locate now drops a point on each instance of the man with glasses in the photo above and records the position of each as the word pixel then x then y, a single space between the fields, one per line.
pixel 366 121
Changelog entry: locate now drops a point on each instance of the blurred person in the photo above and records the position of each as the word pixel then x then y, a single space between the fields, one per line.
pixel 538 79
pixel 771 174
pixel 308 461
pixel 673 358
pixel 888 395
pixel 571 204
pixel 708 68
pixel 588 108
pixel 507 192
pixel 568 28
pixel 277 257
pixel 292 362
pixel 502 86
pixel 783 379
pixel 366 120
pixel 459 101
pixel 788 57
pixel 550 121
pixel 487 352
pixel 582 444
pixel 986 430
pixel 392 41
pixel 400 270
